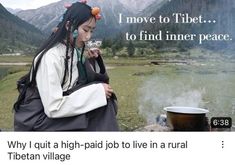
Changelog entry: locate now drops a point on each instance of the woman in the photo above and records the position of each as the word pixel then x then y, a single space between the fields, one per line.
pixel 73 91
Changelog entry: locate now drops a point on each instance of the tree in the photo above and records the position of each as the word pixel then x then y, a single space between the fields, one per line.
pixel 114 49
pixel 106 43
pixel 130 49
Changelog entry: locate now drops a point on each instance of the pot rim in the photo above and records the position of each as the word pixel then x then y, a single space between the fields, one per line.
pixel 186 110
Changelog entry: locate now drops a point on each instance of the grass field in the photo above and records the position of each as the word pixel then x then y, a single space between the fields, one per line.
pixel 144 89
pixel 8 93
pixel 122 79
pixel 16 59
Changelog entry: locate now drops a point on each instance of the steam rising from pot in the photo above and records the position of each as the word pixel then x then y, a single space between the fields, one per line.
pixel 154 97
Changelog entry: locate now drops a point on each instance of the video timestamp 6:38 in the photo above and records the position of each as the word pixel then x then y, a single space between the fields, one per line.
pixel 221 122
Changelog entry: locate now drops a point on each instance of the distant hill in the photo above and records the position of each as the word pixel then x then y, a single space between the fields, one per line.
pixel 13 11
pixel 221 11
pixel 153 7
pixel 137 6
pixel 17 35
pixel 47 17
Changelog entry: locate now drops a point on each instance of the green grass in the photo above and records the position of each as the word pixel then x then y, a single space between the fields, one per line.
pixel 125 84
pixel 128 78
pixel 16 59
pixel 8 93
pixel 123 79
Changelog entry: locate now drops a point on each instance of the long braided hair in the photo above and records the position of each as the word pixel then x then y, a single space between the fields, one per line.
pixel 76 14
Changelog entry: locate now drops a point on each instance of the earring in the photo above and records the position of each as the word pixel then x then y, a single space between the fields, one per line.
pixel 75 34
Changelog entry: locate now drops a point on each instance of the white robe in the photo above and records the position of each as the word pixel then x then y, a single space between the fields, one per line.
pixel 49 79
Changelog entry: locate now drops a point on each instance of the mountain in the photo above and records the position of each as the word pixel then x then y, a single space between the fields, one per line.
pixel 47 17
pixel 223 12
pixel 110 15
pixel 154 6
pixel 13 11
pixel 44 18
pixel 16 34
pixel 137 6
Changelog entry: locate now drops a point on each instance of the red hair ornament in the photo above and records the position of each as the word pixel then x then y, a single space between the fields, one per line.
pixel 67 5
pixel 95 11
pixel 83 1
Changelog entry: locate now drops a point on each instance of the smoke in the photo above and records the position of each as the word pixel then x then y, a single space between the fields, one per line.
pixel 160 92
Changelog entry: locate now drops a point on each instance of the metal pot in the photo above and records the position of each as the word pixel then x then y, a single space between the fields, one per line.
pixel 186 118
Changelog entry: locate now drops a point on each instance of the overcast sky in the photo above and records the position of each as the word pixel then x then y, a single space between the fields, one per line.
pixel 26 4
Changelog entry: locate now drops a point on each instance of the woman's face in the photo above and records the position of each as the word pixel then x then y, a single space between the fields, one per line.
pixel 85 30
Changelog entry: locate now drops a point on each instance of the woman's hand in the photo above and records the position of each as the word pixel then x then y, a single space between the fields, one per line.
pixel 108 90
pixel 93 52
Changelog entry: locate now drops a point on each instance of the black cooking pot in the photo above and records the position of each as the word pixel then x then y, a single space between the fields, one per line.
pixel 186 118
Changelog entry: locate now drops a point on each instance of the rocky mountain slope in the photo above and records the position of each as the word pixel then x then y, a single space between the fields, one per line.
pixel 223 12
pixel 47 17
pixel 16 34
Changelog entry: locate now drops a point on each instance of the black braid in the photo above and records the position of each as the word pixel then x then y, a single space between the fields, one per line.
pixel 71 68
pixel 77 14
pixel 67 55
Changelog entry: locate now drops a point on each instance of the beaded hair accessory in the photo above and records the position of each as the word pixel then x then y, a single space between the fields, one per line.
pixel 95 11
